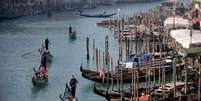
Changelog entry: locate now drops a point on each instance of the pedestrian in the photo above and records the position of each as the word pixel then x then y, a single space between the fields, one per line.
pixel 73 83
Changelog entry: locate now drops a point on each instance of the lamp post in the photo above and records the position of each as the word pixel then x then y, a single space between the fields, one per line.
pixel 190 26
pixel 118 13
pixel 118 22
pixel 174 9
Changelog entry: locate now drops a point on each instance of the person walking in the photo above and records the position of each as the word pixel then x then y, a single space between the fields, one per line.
pixel 73 83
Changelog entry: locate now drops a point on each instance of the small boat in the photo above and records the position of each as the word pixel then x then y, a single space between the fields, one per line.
pixel 105 94
pixel 115 94
pixel 39 80
pixel 127 74
pixel 98 15
pixel 95 76
pixel 72 33
pixel 139 61
pixel 156 92
pixel 48 56
pixel 169 87
pixel 67 96
pixel 180 88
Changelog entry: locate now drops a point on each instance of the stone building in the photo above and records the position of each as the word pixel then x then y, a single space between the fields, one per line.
pixel 17 8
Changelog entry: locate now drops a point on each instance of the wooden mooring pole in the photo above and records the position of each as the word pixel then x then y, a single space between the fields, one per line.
pixel 97 61
pixel 112 83
pixel 87 42
pixel 174 76
pixel 186 74
pixel 93 48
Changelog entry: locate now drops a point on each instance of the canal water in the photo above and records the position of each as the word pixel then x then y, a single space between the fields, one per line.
pixel 21 38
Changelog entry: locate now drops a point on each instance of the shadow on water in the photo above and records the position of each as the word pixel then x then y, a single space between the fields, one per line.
pixel 87 88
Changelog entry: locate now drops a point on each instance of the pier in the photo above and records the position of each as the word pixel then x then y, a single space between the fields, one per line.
pixel 163 29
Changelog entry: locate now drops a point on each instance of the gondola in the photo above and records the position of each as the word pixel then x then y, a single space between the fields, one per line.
pixel 98 15
pixel 105 94
pixel 39 80
pixel 115 94
pixel 67 94
pixel 141 62
pixel 127 74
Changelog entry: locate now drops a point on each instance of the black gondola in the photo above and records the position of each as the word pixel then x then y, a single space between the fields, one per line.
pixel 127 74
pixel 39 80
pixel 98 15
pixel 115 94
pixel 67 96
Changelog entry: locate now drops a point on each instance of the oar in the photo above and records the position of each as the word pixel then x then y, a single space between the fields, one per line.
pixel 63 98
pixel 34 70
pixel 39 50
pixel 60 96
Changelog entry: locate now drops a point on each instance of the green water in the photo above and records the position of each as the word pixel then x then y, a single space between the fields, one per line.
pixel 21 38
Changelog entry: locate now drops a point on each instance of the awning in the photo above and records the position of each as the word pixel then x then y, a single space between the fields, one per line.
pixel 182 36
pixel 194 21
pixel 176 21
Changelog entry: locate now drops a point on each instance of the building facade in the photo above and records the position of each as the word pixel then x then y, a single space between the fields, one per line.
pixel 17 8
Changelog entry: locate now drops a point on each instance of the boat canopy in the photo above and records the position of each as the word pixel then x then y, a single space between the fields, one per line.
pixel 176 22
pixel 196 20
pixel 182 36
pixel 138 58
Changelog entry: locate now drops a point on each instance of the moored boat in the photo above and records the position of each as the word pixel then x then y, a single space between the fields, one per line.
pixel 127 74
pixel 67 96
pixel 48 56
pixel 98 15
pixel 109 95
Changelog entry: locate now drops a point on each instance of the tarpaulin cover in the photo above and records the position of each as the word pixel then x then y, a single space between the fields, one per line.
pixel 138 58
pixel 182 36
pixel 176 21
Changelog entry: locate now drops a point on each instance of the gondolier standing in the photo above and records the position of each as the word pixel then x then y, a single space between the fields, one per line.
pixel 73 83
pixel 46 43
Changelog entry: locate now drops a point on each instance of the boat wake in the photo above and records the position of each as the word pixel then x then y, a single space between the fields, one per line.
pixel 32 55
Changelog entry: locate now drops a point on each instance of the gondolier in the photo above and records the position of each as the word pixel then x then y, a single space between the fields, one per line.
pixel 73 83
pixel 47 43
